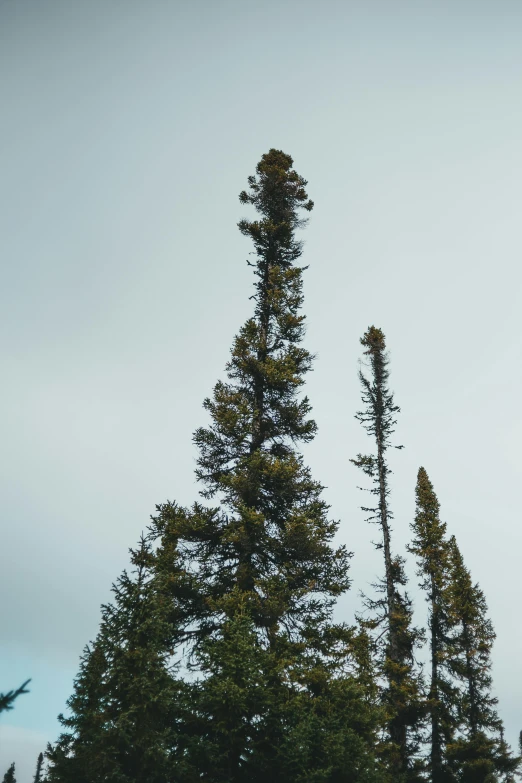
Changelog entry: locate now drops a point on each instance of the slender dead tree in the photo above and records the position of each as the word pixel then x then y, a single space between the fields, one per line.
pixel 393 610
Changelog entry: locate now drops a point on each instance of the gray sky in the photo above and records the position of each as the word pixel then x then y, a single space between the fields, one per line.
pixel 128 130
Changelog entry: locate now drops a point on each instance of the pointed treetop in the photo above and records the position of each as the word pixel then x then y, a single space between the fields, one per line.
pixel 427 502
pixel 9 776
pixel 38 773
pixel 456 557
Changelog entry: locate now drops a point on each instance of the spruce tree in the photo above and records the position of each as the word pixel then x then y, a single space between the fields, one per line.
pixel 480 750
pixel 9 776
pixel 393 611
pixel 431 548
pixel 123 720
pixel 38 774
pixel 73 756
pixel 256 576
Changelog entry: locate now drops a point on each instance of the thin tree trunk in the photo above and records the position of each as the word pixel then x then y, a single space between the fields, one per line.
pixel 264 322
pixel 398 732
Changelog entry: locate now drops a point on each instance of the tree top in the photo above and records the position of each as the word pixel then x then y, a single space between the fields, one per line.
pixel 276 183
pixel 373 340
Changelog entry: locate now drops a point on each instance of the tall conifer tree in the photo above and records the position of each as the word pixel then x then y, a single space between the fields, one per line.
pixel 9 776
pixel 257 576
pixel 431 548
pixel 73 756
pixel 39 769
pixel 480 750
pixel 123 719
pixel 402 692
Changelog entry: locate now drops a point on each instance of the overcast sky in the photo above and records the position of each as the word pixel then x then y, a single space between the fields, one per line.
pixel 128 130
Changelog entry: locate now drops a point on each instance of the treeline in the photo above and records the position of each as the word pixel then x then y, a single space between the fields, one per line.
pixel 218 658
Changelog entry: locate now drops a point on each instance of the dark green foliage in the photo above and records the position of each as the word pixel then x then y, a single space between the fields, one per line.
pixel 392 613
pixel 432 551
pixel 70 756
pixel 466 740
pixel 38 774
pixel 482 758
pixel 264 717
pixel 7 699
pixel 232 702
pixel 123 708
pixel 253 581
pixel 9 776
pixel 480 750
pixel 472 644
